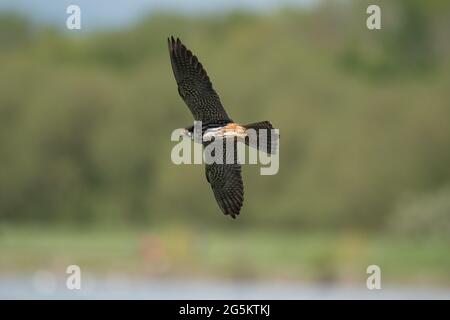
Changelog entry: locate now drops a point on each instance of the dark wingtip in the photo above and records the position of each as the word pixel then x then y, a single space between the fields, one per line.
pixel 171 42
pixel 178 50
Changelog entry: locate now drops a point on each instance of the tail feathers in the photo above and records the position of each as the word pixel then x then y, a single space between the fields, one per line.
pixel 265 140
pixel 259 125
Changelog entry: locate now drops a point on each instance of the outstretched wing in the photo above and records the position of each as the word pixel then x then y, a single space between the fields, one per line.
pixel 226 183
pixel 194 85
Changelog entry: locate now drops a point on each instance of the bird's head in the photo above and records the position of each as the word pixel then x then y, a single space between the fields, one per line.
pixel 191 134
pixel 186 133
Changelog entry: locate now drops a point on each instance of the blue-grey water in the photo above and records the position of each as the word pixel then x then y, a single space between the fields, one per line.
pixel 45 287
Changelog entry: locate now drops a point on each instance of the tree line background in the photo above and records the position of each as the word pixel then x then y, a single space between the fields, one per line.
pixel 85 119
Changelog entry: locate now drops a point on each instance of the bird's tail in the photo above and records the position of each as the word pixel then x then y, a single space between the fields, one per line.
pixel 264 137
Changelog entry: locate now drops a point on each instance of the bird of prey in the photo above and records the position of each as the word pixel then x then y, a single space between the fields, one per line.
pixel 196 90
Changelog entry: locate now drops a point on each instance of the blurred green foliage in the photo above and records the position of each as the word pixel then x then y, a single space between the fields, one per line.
pixel 424 216
pixel 85 119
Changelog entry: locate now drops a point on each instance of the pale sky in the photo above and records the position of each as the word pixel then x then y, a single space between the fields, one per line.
pixel 106 13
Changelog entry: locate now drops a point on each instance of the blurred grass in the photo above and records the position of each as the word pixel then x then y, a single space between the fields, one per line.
pixel 178 251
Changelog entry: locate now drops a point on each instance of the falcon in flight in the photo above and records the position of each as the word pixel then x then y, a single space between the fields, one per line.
pixel 196 90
